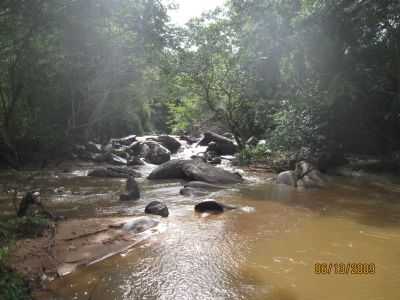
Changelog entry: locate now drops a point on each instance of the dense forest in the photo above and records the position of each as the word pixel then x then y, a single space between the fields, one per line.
pixel 319 74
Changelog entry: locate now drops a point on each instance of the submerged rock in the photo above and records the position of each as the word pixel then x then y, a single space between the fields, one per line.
pixel 113 172
pixel 203 185
pixel 194 170
pixel 140 224
pixel 192 192
pixel 157 208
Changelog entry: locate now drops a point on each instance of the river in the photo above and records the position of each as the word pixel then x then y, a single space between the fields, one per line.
pixel 266 250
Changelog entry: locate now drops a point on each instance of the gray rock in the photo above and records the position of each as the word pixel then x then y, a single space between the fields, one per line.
pixel 194 170
pixel 124 141
pixel 135 161
pixel 140 224
pixel 287 178
pixel 169 142
pixel 193 192
pixel 157 208
pixel 156 154
pixel 135 148
pixel 189 140
pixel 94 148
pixel 132 188
pixel 116 160
pixel 308 175
pixel 222 146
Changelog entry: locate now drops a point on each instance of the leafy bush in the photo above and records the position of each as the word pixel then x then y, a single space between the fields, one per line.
pixel 250 154
pixel 12 286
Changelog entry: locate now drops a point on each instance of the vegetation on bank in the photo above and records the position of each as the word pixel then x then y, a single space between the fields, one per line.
pixel 12 285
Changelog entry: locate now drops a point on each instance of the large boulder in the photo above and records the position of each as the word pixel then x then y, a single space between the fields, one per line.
pixel 157 208
pixel 113 172
pixel 156 153
pixel 221 145
pixel 169 142
pixel 194 170
pixel 135 148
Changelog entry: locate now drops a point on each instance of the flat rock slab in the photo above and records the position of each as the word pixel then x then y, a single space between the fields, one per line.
pixel 79 243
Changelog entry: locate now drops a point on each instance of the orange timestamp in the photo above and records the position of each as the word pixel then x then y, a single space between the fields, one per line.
pixel 344 268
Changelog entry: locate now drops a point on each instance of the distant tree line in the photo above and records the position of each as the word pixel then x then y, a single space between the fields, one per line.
pixel 316 73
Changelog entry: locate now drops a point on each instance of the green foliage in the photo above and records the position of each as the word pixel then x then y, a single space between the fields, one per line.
pixel 251 154
pixel 25 227
pixel 12 285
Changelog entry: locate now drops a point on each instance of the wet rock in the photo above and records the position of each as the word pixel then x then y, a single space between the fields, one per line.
pixel 190 140
pixel 169 142
pixel 113 172
pixel 211 206
pixel 116 160
pixel 222 146
pixel 194 170
pixel 305 175
pixel 98 157
pixel 94 148
pixel 193 192
pixel 140 224
pixel 157 208
pixel 308 175
pixel 132 188
pixel 135 148
pixel 135 161
pixel 287 178
pixel 128 140
pixel 156 154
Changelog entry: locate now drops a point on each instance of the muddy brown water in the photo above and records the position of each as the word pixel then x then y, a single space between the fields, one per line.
pixel 267 250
